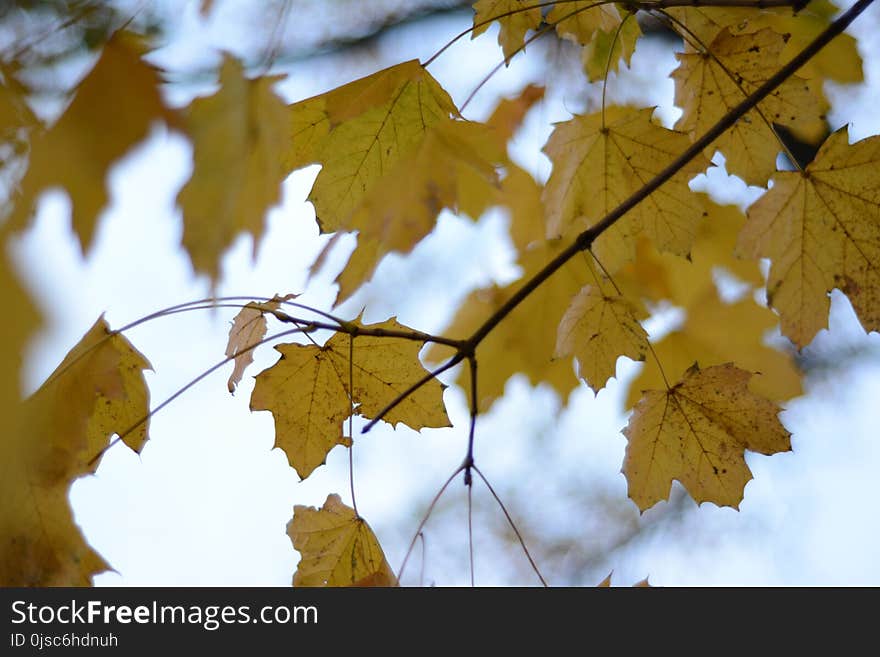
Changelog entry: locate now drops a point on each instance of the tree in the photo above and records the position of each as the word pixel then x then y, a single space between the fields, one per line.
pixel 613 231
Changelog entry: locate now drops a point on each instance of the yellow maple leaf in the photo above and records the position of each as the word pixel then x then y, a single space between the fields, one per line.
pixel 119 100
pixel 601 160
pixel 338 548
pixel 309 395
pixel 451 168
pixel 397 124
pixel 838 60
pixel 706 337
pixel 386 115
pixel 238 137
pixel 524 341
pixel 579 20
pixel 509 113
pixel 248 329
pixel 604 52
pixel 98 390
pixel 597 329
pixel 515 18
pixel 697 432
pixel 521 194
pixel 821 229
pixel 685 281
pixel 601 30
pixel 708 85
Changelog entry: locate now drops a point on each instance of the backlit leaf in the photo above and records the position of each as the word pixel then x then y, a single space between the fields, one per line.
pixel 598 328
pixel 68 421
pixel 309 395
pixel 338 548
pixel 248 329
pixel 238 137
pixel 708 336
pixel 708 86
pixel 514 18
pixel 601 159
pixel 112 110
pixel 697 433
pixel 821 229
pixel 524 342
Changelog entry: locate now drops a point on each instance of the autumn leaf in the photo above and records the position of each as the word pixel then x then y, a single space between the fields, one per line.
pixel 707 337
pixel 579 20
pixel 451 168
pixel 697 432
pixel 821 229
pixel 600 160
pixel 521 195
pixel 508 115
pixel 397 107
pixel 18 327
pixel 238 137
pixel 523 342
pixel 397 124
pixel 687 281
pixel 604 52
pixel 601 29
pixel 708 86
pixel 338 548
pixel 839 60
pixel 597 329
pixel 119 100
pixel 248 329
pixel 514 17
pixel 309 395
pixel 99 389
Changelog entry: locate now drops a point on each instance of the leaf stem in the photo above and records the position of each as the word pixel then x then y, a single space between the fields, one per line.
pixel 425 519
pixel 512 526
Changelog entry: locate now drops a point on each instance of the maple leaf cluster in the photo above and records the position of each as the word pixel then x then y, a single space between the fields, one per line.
pixel 709 395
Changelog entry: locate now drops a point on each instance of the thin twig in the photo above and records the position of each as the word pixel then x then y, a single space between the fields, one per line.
pixel 512 526
pixel 425 519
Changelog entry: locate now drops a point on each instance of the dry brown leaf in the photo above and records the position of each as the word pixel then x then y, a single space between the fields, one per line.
pixel 248 329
